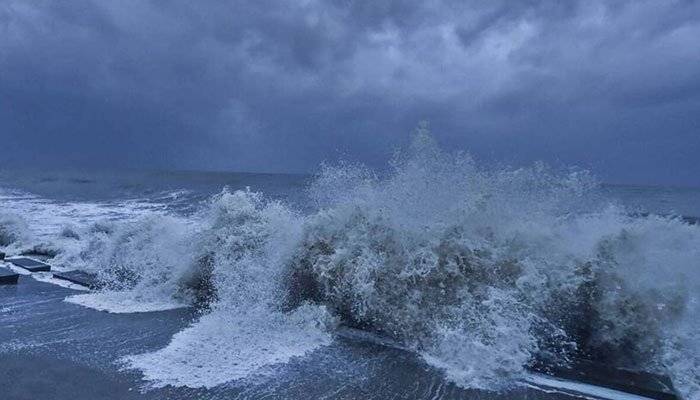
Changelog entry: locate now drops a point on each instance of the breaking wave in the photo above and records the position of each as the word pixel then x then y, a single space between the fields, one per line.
pixel 483 272
pixel 13 230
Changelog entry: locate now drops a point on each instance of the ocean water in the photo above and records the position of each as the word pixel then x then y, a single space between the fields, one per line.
pixel 480 272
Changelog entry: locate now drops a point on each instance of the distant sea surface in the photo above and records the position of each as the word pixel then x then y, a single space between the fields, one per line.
pixel 183 191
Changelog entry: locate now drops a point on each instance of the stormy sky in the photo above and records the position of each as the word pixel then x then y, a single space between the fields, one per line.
pixel 282 85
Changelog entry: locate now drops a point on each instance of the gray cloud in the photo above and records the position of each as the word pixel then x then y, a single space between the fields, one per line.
pixel 281 86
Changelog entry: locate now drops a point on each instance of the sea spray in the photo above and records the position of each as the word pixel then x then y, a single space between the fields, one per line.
pixel 436 255
pixel 140 263
pixel 244 245
pixel 483 272
pixel 486 272
pixel 13 231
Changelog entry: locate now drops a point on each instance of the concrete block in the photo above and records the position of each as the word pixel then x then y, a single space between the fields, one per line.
pixel 8 277
pixel 79 277
pixel 30 265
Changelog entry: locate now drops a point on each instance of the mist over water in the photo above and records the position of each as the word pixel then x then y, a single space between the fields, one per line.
pixel 484 272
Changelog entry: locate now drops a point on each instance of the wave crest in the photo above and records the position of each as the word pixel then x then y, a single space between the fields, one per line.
pixel 483 271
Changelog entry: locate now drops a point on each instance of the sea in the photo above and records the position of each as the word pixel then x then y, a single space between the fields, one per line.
pixel 479 273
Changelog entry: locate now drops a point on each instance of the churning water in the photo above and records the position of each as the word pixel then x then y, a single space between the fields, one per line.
pixel 483 272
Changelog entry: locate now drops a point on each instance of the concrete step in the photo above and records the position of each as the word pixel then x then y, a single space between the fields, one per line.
pixel 30 264
pixel 80 277
pixel 8 277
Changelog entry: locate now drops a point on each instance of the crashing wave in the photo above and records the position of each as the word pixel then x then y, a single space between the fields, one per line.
pixel 484 272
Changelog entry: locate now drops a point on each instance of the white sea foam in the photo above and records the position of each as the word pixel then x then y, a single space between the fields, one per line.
pixel 246 240
pixel 119 302
pixel 223 347
pixel 35 224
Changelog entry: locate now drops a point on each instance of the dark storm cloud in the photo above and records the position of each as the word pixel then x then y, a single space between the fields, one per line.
pixel 265 85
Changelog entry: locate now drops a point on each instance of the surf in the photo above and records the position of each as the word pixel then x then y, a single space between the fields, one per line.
pixel 486 273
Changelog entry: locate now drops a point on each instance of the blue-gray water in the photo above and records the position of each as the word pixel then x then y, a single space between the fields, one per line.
pixel 182 190
pixel 192 187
